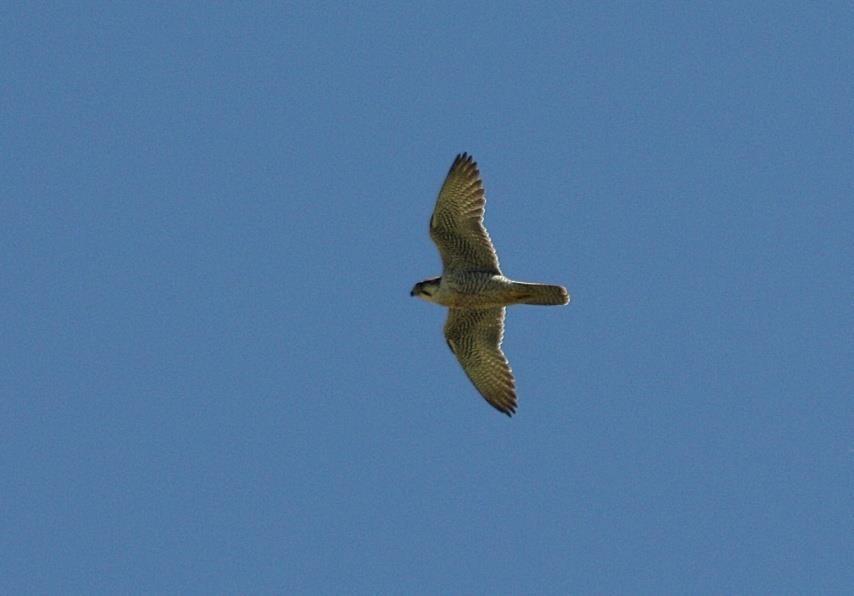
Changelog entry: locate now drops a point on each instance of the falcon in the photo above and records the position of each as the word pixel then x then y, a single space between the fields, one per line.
pixel 473 288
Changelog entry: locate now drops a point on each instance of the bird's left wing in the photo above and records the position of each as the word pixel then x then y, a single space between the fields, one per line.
pixel 456 225
pixel 474 336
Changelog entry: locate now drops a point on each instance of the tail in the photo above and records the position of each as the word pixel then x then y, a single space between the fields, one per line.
pixel 540 294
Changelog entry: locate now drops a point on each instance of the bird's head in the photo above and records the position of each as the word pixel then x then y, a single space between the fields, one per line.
pixel 426 290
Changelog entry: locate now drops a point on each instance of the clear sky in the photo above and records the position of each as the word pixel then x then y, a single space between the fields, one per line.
pixel 212 376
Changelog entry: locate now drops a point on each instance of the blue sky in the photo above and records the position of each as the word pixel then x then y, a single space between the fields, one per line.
pixel 212 376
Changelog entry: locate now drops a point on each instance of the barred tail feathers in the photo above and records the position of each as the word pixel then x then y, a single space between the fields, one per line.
pixel 540 294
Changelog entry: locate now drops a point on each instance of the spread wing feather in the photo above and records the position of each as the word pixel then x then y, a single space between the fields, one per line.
pixel 457 222
pixel 474 336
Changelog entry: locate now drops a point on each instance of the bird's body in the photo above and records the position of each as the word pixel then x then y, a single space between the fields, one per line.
pixel 476 289
pixel 473 287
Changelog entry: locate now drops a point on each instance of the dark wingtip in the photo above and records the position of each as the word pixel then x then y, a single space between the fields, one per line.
pixel 466 163
pixel 507 410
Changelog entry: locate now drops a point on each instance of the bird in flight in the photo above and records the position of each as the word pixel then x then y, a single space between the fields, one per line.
pixel 473 288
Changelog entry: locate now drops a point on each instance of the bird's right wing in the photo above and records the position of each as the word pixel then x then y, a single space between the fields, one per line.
pixel 474 336
pixel 457 222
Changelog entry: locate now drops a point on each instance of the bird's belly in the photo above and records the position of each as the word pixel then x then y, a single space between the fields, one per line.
pixel 485 293
pixel 458 300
